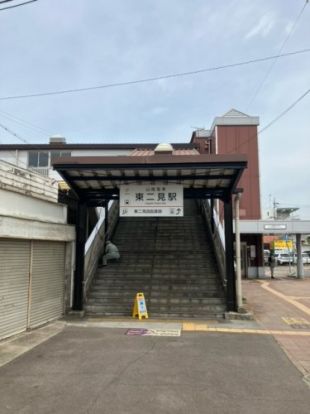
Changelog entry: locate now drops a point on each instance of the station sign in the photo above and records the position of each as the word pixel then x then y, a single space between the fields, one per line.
pixel 151 200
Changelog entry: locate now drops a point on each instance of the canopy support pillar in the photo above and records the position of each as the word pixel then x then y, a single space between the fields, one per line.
pixel 229 256
pixel 81 226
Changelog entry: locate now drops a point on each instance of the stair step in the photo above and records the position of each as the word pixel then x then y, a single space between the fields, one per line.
pixel 171 260
pixel 175 308
pixel 128 299
pixel 158 269
pixel 161 277
pixel 143 287
pixel 167 288
pixel 170 310
pixel 162 315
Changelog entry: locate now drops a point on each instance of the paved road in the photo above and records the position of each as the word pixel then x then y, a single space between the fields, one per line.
pixel 286 270
pixel 101 370
pixel 283 305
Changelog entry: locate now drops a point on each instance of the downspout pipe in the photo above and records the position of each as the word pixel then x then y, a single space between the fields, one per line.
pixel 238 252
pixel 229 255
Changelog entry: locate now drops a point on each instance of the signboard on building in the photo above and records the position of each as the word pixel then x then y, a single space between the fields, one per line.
pixel 281 244
pixel 275 226
pixel 151 200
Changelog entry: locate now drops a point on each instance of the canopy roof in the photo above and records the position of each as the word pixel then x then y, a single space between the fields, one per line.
pixel 94 179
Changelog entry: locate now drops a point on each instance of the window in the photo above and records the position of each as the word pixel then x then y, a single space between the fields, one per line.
pixel 38 159
pixel 58 154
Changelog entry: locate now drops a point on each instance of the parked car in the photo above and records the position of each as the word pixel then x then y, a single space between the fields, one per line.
pixel 305 258
pixel 307 252
pixel 283 258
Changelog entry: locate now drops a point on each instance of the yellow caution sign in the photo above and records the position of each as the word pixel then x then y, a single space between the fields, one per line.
pixel 139 308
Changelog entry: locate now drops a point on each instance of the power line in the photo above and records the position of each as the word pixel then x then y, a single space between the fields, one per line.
pixel 6 1
pixel 284 112
pixel 21 139
pixel 24 123
pixel 14 134
pixel 289 108
pixel 275 60
pixel 17 5
pixel 155 78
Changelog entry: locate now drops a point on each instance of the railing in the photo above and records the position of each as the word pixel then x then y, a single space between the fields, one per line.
pixel 217 234
pixel 40 170
pixel 27 182
pixel 94 246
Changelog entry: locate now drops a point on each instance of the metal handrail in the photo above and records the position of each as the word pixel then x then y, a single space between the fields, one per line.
pixel 219 248
pixel 96 248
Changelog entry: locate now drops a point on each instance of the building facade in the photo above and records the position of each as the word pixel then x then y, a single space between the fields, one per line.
pixel 36 251
pixel 232 133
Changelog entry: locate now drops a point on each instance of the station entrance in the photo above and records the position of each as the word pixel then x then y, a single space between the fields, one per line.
pixel 174 260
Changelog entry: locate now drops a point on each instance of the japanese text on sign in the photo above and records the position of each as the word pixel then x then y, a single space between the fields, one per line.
pixel 154 199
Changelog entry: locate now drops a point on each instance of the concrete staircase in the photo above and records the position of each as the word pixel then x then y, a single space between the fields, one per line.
pixel 170 260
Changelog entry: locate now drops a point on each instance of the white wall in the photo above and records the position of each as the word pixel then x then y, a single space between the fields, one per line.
pixel 21 206
pixel 18 228
pixel 54 175
pixel 24 181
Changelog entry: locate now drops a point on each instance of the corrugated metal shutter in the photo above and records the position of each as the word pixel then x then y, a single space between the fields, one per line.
pixel 14 284
pixel 47 287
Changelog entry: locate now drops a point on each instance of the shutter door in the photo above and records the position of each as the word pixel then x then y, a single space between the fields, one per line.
pixel 47 287
pixel 14 283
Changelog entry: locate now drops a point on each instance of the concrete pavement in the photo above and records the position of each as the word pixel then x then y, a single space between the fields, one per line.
pixel 284 305
pixel 85 366
pixel 100 370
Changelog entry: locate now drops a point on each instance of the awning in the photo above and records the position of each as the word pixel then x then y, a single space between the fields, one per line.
pixel 203 176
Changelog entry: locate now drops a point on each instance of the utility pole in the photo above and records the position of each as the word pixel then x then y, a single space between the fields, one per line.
pixel 269 206
pixel 275 204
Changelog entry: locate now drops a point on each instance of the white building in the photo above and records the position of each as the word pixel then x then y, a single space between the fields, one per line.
pixel 36 251
pixel 40 157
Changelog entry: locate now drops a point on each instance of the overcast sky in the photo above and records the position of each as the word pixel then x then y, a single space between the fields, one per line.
pixel 65 44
